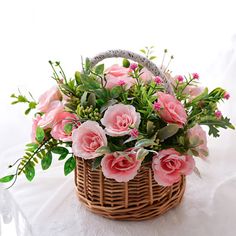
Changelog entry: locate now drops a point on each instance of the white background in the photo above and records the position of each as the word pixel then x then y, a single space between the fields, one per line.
pixel 200 34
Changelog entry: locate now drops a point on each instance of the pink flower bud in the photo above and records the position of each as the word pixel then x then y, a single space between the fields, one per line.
pixel 195 75
pixel 121 82
pixel 158 80
pixel 180 78
pixel 134 133
pixel 226 95
pixel 157 106
pixel 133 66
pixel 218 114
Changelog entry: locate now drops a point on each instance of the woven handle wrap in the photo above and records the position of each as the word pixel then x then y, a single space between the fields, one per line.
pixel 137 58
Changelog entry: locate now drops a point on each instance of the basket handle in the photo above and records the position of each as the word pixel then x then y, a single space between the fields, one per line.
pixel 137 58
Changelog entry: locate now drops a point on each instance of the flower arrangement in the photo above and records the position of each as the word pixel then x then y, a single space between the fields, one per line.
pixel 120 117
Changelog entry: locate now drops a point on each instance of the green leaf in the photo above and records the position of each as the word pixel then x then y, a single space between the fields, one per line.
pixel 201 96
pixel 143 51
pixel 40 135
pixel 152 57
pixel 103 150
pixel 77 77
pixel 68 128
pixel 92 100
pixel 7 178
pixel 89 82
pixel 126 63
pixel 109 103
pixel 22 99
pixel 96 162
pixel 130 139
pixel 83 99
pixel 99 69
pixel 87 64
pixel 29 171
pixel 46 161
pixel 63 152
pixel 167 131
pixel 116 91
pixel 32 105
pixel 69 166
pixel 27 111
pixel 59 150
pixel 32 145
pixel 145 143
pixel 63 156
pixel 150 127
pixel 141 154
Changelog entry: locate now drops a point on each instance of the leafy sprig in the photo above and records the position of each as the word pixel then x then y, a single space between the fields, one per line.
pixel 23 99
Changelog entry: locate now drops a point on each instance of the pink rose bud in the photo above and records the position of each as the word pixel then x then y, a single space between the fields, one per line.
pixel 157 106
pixel 134 133
pixel 195 75
pixel 180 78
pixel 226 95
pixel 158 80
pixel 121 83
pixel 133 66
pixel 218 114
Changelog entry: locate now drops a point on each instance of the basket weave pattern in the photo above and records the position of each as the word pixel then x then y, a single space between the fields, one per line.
pixel 139 199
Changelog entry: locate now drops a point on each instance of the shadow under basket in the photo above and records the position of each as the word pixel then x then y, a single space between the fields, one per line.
pixel 139 199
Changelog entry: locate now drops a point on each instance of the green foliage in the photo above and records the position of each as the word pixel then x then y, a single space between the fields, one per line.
pixel 68 128
pixel 167 131
pixel 69 165
pixel 23 99
pixel 6 179
pixel 29 171
pixel 40 135
pixel 88 113
pixel 61 151
pixel 142 153
pixel 126 63
pixel 145 143
pixel 46 161
pixel 214 124
pixel 99 69
pixel 103 150
pixel 96 162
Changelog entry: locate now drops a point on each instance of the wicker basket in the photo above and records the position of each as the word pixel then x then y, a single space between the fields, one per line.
pixel 139 199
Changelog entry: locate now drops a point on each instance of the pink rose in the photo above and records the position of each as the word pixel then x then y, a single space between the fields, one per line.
pixel 60 122
pixel 146 75
pixel 87 138
pixel 117 166
pixel 46 98
pixel 169 165
pixel 172 110
pixel 34 127
pixel 198 139
pixel 54 108
pixel 119 119
pixel 193 91
pixel 115 74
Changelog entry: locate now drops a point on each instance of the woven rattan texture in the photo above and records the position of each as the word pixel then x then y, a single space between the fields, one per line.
pixel 139 199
